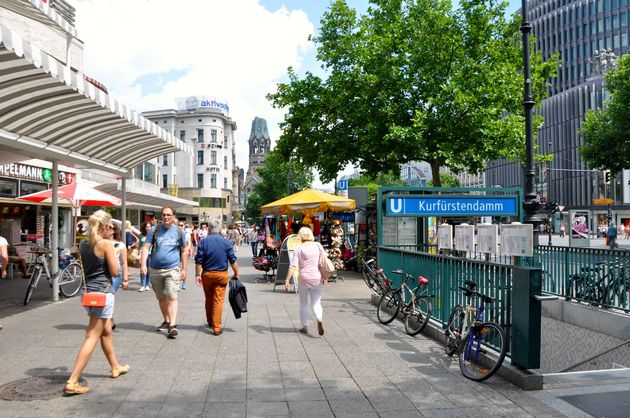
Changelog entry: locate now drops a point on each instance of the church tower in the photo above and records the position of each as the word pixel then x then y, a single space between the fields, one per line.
pixel 259 147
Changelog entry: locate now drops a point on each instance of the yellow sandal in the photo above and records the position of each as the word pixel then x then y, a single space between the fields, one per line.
pixel 120 371
pixel 74 389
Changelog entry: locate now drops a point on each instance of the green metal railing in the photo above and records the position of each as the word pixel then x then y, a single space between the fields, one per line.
pixel 447 273
pixel 598 276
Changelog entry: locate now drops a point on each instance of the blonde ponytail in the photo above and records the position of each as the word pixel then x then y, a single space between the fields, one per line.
pixel 95 222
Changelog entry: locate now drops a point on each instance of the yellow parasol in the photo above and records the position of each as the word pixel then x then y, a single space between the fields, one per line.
pixel 308 202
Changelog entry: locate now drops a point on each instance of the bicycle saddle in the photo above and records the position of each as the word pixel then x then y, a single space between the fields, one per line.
pixel 423 281
pixel 470 284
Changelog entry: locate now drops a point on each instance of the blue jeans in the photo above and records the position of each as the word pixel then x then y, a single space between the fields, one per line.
pixel 254 247
pixel 144 280
pixel 116 281
pixel 612 242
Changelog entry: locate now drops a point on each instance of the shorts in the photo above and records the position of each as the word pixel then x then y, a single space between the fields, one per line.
pixel 165 282
pixel 103 312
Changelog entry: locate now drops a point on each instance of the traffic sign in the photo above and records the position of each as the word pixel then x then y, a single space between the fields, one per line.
pixel 602 201
pixel 342 185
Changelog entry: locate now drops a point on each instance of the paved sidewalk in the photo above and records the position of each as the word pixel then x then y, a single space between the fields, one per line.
pixel 260 365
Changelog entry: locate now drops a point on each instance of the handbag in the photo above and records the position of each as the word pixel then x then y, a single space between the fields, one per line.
pixel 326 267
pixel 133 258
pixel 90 299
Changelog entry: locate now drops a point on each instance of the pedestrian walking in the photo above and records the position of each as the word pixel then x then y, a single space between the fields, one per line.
pixel 182 226
pixel 194 240
pixel 214 254
pixel 4 260
pixel 612 236
pixel 310 281
pixel 167 267
pixel 233 236
pixel 562 231
pixel 144 277
pixel 98 259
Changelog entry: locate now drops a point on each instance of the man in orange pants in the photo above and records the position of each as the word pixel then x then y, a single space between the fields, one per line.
pixel 214 252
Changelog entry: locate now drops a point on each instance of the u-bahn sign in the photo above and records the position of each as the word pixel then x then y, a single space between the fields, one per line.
pixel 432 205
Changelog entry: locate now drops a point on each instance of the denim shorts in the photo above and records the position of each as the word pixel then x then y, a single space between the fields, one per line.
pixel 103 312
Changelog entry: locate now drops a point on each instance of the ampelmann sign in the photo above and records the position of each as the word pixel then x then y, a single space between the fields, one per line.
pixel 414 205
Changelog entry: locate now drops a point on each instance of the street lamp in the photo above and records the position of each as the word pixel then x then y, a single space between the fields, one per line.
pixel 531 202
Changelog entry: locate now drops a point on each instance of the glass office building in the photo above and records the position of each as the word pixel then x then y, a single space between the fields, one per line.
pixel 586 34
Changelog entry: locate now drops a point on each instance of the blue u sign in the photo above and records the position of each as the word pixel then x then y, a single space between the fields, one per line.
pixel 342 185
pixel 410 205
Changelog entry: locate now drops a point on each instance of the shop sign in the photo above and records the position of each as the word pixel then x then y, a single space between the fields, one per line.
pixel 193 103
pixel 34 173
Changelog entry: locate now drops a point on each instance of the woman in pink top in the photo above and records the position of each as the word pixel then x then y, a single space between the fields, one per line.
pixel 306 257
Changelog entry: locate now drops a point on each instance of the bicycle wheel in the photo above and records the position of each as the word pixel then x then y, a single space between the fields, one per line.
pixel 70 280
pixel 32 284
pixel 389 306
pixel 453 329
pixel 483 351
pixel 368 277
pixel 418 317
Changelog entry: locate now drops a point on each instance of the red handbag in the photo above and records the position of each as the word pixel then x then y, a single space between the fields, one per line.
pixel 93 299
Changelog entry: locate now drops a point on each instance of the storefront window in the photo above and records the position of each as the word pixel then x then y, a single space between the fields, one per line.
pixel 28 187
pixel 8 187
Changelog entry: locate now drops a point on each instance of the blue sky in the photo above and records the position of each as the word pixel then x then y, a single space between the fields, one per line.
pixel 236 51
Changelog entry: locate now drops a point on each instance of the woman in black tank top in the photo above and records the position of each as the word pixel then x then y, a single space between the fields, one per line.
pixel 99 266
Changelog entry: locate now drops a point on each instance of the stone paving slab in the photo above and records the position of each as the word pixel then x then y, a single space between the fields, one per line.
pixel 260 365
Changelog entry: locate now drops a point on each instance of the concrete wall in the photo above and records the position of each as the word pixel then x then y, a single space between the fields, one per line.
pixel 572 332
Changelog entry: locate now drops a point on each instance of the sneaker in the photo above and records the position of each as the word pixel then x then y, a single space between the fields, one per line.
pixel 172 332
pixel 184 286
pixel 163 327
pixel 142 289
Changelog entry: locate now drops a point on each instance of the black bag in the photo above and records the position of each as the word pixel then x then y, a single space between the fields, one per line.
pixel 238 297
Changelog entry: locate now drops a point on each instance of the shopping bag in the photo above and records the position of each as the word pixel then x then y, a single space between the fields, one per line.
pixel 326 267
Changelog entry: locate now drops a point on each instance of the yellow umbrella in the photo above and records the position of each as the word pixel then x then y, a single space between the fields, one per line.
pixel 308 202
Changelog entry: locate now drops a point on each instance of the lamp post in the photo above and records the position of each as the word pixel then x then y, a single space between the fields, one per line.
pixel 531 201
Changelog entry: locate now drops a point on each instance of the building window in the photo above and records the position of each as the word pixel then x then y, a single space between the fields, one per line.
pixel 199 157
pixel 213 135
pixel 182 135
pixel 225 144
pixel 225 182
pixel 8 187
pixel 164 181
pixel 149 173
pixel 213 181
pixel 165 160
pixel 225 164
pixel 199 135
pixel 213 158
pixel 200 180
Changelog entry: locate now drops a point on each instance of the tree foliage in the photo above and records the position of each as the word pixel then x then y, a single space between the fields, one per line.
pixel 276 178
pixel 446 180
pixel 411 80
pixel 607 131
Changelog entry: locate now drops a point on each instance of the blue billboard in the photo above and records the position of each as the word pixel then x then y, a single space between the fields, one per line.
pixel 432 205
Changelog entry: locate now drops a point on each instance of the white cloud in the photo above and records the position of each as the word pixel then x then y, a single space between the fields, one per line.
pixel 235 50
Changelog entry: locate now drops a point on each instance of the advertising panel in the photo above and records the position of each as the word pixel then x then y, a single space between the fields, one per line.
pixel 579 235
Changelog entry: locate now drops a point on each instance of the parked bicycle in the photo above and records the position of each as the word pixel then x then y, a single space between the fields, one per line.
pixel 604 284
pixel 481 345
pixel 416 311
pixel 69 275
pixel 373 276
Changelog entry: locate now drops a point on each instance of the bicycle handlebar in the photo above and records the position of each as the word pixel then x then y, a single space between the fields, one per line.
pixel 470 292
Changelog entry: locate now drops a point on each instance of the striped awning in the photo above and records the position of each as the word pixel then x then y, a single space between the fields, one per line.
pixel 49 111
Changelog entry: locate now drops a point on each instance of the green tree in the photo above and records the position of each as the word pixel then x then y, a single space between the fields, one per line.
pixel 409 81
pixel 607 131
pixel 373 183
pixel 276 178
pixel 446 180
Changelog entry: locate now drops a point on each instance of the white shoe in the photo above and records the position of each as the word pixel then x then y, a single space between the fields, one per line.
pixel 142 289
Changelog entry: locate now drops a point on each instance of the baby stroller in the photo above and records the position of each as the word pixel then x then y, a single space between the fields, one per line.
pixel 265 263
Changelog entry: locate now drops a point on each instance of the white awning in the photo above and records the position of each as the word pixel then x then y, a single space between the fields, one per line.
pixel 49 111
pixel 140 199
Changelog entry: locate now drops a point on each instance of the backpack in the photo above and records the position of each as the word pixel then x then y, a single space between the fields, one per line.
pixel 180 233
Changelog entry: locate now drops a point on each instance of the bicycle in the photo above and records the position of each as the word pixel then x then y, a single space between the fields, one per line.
pixel 374 277
pixel 416 312
pixel 69 276
pixel 481 345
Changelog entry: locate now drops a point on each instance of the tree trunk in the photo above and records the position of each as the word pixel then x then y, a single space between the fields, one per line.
pixel 435 173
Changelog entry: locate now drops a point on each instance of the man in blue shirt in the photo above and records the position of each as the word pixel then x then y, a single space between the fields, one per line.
pixel 167 266
pixel 213 255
